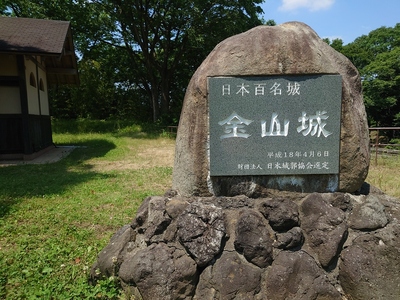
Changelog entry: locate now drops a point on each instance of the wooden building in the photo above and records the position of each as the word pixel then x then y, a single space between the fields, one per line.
pixel 34 54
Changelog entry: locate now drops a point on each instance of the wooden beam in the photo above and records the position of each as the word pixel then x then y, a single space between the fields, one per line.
pixel 64 71
pixel 68 52
pixel 9 81
pixel 36 62
pixel 26 136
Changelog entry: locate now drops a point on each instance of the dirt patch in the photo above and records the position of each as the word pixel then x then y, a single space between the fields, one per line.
pixel 161 155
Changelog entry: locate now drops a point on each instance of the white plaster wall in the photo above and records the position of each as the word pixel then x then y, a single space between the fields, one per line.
pixel 44 98
pixel 10 102
pixel 33 103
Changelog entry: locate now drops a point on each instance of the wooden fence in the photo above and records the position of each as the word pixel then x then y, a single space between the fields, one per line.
pixel 381 147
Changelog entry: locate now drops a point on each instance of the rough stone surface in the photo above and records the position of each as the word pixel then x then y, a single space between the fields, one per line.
pixel 324 226
pixel 369 214
pixel 370 267
pixel 290 239
pixel 253 238
pixel 230 277
pixel 161 271
pixel 296 275
pixel 110 258
pixel 282 214
pixel 201 229
pixel 290 48
pixel 225 248
pixel 158 218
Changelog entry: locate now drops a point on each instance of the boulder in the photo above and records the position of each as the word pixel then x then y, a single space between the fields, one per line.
pixel 290 239
pixel 369 214
pixel 253 238
pixel 287 49
pixel 282 214
pixel 230 277
pixel 324 227
pixel 370 267
pixel 201 229
pixel 296 275
pixel 110 258
pixel 160 271
pixel 158 218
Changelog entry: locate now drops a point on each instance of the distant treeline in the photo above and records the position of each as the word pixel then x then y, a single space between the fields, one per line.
pixel 137 57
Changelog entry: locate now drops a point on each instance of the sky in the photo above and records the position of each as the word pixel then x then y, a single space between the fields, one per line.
pixel 343 19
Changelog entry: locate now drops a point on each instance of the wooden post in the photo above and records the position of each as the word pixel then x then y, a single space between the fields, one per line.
pixel 376 147
pixel 28 149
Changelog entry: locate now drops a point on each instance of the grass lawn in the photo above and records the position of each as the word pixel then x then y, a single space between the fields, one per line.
pixel 385 173
pixel 56 218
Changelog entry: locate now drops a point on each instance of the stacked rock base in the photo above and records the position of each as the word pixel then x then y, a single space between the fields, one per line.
pixel 281 246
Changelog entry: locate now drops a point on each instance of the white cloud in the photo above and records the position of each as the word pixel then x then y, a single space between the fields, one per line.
pixel 312 5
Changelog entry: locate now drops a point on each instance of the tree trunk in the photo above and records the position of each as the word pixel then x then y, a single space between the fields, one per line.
pixel 165 99
pixel 155 102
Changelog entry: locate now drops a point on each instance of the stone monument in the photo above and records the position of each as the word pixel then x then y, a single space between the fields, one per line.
pixel 268 198
pixel 282 77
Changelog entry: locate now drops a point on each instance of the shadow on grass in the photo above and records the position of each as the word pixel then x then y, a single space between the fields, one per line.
pixel 18 183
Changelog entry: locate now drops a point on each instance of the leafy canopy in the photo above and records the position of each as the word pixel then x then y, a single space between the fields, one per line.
pixel 139 52
pixel 377 57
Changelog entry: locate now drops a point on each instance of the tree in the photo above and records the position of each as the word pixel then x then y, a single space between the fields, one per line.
pixel 377 57
pixel 166 35
pixel 163 41
pixel 106 90
pixel 336 44
pixel 382 88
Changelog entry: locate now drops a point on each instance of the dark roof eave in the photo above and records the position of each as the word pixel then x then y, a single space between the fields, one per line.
pixel 58 48
pixel 56 79
pixel 32 53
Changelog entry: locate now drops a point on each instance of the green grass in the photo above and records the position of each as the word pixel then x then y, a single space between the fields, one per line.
pixel 55 218
pixel 385 174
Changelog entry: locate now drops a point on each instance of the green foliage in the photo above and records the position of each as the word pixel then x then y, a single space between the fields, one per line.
pixel 270 23
pixel 136 57
pixel 164 36
pixel 377 57
pixel 55 218
pixel 105 92
pixel 115 127
pixel 396 142
pixel 336 44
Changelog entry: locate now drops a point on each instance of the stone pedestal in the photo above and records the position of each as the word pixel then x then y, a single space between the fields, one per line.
pixel 284 246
